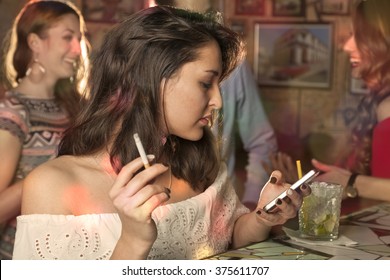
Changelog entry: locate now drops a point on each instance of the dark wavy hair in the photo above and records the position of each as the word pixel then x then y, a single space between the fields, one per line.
pixel 37 17
pixel 125 91
pixel 371 24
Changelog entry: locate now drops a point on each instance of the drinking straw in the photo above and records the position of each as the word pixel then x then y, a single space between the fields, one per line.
pixel 299 169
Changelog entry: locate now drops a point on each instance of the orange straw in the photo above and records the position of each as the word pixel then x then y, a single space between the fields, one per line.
pixel 299 169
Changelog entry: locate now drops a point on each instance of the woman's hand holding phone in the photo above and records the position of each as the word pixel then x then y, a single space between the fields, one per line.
pixel 271 206
pixel 284 209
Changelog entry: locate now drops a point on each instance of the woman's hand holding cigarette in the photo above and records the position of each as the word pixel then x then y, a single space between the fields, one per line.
pixel 135 198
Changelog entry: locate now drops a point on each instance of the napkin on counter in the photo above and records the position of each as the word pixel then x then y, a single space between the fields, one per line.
pixel 342 240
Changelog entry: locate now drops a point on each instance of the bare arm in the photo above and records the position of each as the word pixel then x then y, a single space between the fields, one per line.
pixel 244 235
pixel 10 201
pixel 10 195
pixel 10 149
pixel 383 111
pixel 372 187
pixel 367 186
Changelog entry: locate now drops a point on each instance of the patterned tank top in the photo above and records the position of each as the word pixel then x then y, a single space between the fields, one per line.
pixel 39 125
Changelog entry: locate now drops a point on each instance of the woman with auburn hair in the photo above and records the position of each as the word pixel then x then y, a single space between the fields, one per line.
pixel 44 64
pixel 369 51
pixel 366 171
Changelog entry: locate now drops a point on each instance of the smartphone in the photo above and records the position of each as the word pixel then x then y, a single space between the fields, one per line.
pixel 271 206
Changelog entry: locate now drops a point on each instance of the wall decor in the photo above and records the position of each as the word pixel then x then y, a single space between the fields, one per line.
pixel 293 54
pixel 335 7
pixel 250 7
pixel 288 8
pixel 110 11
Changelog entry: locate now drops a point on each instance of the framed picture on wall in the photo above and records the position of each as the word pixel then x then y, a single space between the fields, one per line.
pixel 110 11
pixel 358 86
pixel 335 7
pixel 293 54
pixel 250 7
pixel 288 8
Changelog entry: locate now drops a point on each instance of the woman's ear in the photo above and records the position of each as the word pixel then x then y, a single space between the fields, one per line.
pixel 34 42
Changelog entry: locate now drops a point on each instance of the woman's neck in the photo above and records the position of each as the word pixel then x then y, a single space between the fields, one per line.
pixel 35 90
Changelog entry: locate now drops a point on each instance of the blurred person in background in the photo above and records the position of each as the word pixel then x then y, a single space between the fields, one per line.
pixel 369 52
pixel 366 170
pixel 45 61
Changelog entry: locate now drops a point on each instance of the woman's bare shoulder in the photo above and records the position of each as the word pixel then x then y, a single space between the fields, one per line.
pixel 383 111
pixel 46 186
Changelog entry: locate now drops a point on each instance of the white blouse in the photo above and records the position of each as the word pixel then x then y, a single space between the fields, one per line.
pixel 191 229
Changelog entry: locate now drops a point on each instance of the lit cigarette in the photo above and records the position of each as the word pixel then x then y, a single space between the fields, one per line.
pixel 141 150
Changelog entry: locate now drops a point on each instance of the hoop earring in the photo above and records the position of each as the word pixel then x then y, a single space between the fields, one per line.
pixel 73 77
pixel 36 71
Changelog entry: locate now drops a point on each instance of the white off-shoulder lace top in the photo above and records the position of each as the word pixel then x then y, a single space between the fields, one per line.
pixel 191 229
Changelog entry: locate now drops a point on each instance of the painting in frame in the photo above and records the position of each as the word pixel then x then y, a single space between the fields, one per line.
pixel 288 8
pixel 250 7
pixel 335 7
pixel 293 54
pixel 110 11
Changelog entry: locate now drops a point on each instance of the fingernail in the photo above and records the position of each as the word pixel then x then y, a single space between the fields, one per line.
pixel 304 187
pixel 279 202
pixel 168 190
pixel 289 192
pixel 273 180
pixel 258 212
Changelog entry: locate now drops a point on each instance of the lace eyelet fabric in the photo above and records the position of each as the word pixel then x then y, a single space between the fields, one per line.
pixel 195 228
pixel 74 243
